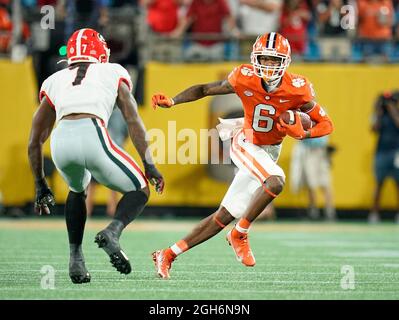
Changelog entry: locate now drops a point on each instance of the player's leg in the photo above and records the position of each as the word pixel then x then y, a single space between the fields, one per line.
pixel 207 228
pixel 313 211
pixel 238 236
pixel 91 189
pixel 114 168
pixel 329 202
pixel 260 163
pixel 324 182
pixel 311 168
pixel 112 202
pixel 75 216
pixel 69 161
pixel 232 206
pixel 374 215
pixel 382 165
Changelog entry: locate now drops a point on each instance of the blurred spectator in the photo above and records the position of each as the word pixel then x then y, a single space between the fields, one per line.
pixel 259 16
pixel 6 27
pixel 294 20
pixel 124 3
pixel 162 15
pixel 386 161
pixel 310 168
pixel 118 132
pixel 375 23
pixel 333 43
pixel 85 14
pixel 41 3
pixel 163 19
pixel 329 18
pixel 205 18
pixel 47 42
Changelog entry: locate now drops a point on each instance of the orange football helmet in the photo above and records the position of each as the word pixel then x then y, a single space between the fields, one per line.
pixel 87 45
pixel 275 45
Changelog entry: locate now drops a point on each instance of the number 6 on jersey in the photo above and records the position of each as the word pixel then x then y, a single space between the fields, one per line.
pixel 258 117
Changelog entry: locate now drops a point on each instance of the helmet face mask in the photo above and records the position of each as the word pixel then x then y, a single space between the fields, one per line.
pixel 275 49
pixel 87 45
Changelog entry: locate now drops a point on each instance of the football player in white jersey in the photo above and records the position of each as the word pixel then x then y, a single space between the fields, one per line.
pixel 80 99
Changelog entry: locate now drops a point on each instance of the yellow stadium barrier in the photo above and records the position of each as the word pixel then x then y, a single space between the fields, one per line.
pixel 347 92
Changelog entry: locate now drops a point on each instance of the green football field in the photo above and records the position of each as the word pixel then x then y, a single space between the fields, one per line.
pixel 294 261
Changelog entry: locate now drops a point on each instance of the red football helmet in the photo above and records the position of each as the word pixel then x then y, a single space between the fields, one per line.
pixel 275 45
pixel 87 45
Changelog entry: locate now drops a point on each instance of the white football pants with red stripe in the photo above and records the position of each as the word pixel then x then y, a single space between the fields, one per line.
pixel 255 164
pixel 82 148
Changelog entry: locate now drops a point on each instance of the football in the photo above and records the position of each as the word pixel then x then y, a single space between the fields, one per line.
pixel 289 118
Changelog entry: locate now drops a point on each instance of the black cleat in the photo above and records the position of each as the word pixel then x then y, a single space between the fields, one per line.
pixel 78 272
pixel 109 242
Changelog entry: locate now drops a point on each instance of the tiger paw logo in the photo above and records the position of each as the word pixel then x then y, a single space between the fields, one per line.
pixel 247 72
pixel 298 82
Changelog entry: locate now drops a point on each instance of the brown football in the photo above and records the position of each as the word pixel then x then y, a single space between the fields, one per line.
pixel 289 118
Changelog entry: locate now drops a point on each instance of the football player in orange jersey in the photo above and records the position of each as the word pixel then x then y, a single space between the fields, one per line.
pixel 266 91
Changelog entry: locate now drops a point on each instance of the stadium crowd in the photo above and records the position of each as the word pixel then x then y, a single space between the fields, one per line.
pixel 352 30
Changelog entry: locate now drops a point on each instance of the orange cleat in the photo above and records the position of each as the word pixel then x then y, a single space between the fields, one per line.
pixel 241 248
pixel 163 263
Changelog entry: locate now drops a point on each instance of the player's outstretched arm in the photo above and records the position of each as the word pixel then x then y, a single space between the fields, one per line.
pixel 42 124
pixel 137 133
pixel 193 93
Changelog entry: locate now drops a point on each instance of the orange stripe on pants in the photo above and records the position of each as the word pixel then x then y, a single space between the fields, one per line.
pixel 251 159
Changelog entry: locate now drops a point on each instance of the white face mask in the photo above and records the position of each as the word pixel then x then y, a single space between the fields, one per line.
pixel 271 74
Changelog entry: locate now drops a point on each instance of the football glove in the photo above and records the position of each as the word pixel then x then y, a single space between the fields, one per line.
pixel 44 197
pixel 154 176
pixel 160 100
pixel 294 130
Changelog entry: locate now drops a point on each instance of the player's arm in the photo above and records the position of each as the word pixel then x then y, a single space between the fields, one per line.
pixel 193 93
pixel 42 124
pixel 137 133
pixel 324 125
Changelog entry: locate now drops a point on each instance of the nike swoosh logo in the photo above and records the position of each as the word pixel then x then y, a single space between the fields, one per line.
pixel 281 100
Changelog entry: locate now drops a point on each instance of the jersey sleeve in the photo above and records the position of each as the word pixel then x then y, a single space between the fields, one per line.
pixel 46 91
pixel 123 76
pixel 233 77
pixel 308 93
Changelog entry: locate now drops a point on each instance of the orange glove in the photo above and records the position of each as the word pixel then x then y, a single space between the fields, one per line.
pixel 294 130
pixel 281 130
pixel 160 100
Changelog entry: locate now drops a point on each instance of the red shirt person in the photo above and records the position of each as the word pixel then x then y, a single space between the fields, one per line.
pixel 293 26
pixel 163 15
pixel 207 17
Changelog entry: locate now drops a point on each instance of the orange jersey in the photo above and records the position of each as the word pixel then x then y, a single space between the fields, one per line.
pixel 262 109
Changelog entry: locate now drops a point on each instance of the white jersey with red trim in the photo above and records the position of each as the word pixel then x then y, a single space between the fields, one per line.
pixel 85 88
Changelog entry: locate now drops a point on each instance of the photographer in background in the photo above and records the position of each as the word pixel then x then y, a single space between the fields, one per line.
pixel 385 123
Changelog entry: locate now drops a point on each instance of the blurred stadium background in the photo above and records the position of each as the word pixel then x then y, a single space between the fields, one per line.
pixel 349 64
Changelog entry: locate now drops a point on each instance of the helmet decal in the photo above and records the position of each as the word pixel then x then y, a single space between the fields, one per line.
pixel 87 45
